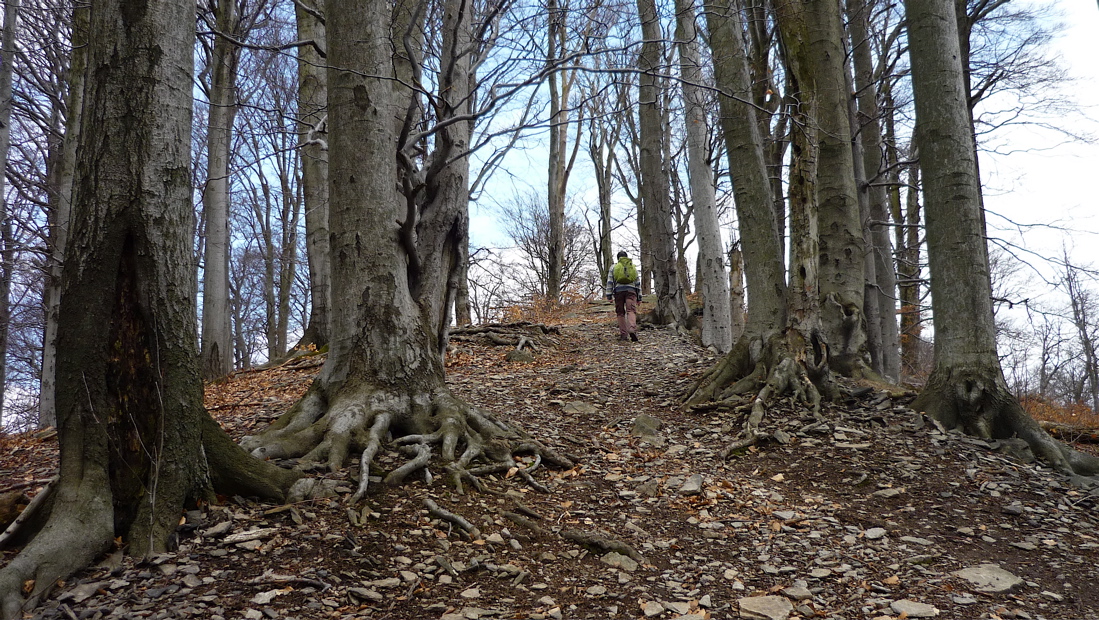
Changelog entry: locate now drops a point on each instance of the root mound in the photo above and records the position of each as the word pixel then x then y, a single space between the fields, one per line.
pixel 472 443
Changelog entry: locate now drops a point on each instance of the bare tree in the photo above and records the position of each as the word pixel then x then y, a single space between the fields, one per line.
pixel 713 281
pixel 966 389
pixel 671 304
pixel 395 255
pixel 135 442
pixel 1084 309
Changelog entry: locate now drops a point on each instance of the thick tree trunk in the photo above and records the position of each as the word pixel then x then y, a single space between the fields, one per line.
pixel 884 287
pixel 671 303
pixel 759 240
pixel 135 442
pixel 313 135
pixel 217 343
pixel 393 263
pixel 781 351
pixel 713 282
pixel 966 389
pixel 7 249
pixel 812 38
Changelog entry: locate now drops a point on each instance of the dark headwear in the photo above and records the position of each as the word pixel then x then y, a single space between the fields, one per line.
pixel 622 254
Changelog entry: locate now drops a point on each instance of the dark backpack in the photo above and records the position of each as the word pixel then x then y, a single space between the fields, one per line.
pixel 624 272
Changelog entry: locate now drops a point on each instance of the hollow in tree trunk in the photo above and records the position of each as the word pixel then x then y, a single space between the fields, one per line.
pixel 136 445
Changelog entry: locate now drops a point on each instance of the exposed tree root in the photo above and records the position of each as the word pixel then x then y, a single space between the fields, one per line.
pixel 69 540
pixel 65 540
pixel 785 366
pixel 423 424
pixel 979 403
pixel 464 525
pixel 518 335
pixel 601 543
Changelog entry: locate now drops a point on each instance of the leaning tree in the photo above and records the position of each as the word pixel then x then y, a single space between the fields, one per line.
pixel 966 389
pixel 399 224
pixel 136 445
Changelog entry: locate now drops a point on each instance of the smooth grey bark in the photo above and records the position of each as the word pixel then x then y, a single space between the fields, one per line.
pixel 813 42
pixel 671 301
pixel 759 239
pixel 60 212
pixel 313 146
pixel 736 290
pixel 7 251
pixel 394 256
pixel 713 282
pixel 217 343
pixel 872 189
pixel 557 167
pixel 135 442
pixel 781 350
pixel 966 389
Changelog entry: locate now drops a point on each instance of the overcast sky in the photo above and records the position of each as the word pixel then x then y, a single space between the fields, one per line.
pixel 1040 181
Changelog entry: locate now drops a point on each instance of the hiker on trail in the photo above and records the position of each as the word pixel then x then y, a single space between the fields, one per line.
pixel 624 287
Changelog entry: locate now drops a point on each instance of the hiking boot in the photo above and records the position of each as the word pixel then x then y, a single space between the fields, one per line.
pixel 624 339
pixel 633 337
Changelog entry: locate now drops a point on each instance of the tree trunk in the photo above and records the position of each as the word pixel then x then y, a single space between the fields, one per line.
pixel 671 304
pixel 760 243
pixel 883 289
pixel 736 291
pixel 966 389
pixel 812 38
pixel 7 250
pixel 60 213
pixel 558 135
pixel 217 343
pixel 135 442
pixel 313 136
pixel 712 280
pixel 394 256
pixel 781 351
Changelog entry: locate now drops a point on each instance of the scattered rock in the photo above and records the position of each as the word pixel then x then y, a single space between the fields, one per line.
pixel 765 608
pixel 989 578
pixel 912 609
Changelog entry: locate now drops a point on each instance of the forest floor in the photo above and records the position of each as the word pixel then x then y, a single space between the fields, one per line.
pixel 874 514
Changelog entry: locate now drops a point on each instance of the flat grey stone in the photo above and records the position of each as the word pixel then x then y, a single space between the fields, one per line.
pixel 765 607
pixel 916 541
pixel 912 609
pixel 875 533
pixel 578 406
pixel 618 560
pixel 888 492
pixel 989 578
pixel 693 485
pixel 652 608
pixel 645 425
pixel 798 593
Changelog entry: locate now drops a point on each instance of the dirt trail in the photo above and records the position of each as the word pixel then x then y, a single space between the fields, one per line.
pixel 867 516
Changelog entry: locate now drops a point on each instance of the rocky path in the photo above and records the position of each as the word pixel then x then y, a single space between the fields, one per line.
pixel 873 514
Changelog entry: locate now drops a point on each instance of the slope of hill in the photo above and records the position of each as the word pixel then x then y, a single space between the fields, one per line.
pixel 873 513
